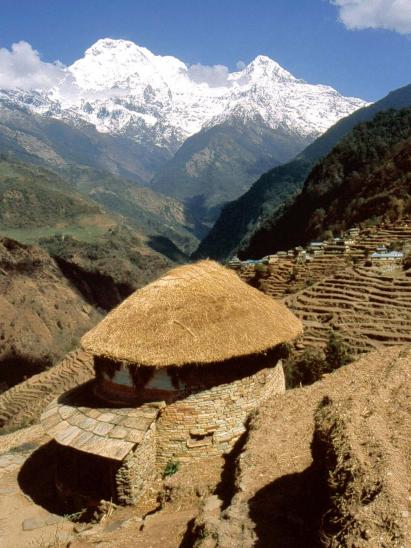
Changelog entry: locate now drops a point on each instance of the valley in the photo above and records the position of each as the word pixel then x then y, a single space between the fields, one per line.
pixel 260 208
pixel 153 121
pixel 205 292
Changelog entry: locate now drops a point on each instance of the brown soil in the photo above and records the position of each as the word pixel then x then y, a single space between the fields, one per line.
pixel 310 472
pixel 42 314
pixel 354 491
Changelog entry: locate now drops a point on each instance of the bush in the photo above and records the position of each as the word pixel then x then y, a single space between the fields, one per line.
pixel 171 468
pixel 305 368
pixel 336 352
pixel 309 366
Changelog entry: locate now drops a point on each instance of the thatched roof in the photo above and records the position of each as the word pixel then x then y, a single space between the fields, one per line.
pixel 195 314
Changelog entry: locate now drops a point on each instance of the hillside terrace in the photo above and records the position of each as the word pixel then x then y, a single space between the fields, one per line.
pixel 384 246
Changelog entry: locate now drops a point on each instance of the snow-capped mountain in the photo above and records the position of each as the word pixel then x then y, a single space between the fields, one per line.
pixel 199 134
pixel 122 88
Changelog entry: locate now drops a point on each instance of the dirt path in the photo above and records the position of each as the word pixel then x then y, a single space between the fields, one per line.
pixel 24 524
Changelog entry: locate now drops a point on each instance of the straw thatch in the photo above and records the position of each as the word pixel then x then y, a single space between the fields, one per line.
pixel 195 314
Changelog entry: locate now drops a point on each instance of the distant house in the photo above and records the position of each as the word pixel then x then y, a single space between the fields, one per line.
pixel 381 249
pixel 282 254
pixel 338 246
pixel 252 262
pixel 353 232
pixel 301 254
pixel 316 248
pixel 379 258
pixel 234 262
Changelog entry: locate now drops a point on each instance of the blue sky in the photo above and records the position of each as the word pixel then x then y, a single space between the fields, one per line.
pixel 304 36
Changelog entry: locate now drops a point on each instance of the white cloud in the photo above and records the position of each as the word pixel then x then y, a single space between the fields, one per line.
pixel 240 65
pixel 214 76
pixel 21 67
pixel 393 15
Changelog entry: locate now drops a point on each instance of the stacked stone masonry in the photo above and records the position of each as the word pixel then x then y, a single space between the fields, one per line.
pixel 137 470
pixel 210 421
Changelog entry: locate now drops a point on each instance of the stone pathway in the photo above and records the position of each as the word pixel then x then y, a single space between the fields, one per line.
pixel 76 420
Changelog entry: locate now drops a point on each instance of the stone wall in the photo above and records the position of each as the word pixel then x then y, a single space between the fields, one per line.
pixel 210 421
pixel 137 469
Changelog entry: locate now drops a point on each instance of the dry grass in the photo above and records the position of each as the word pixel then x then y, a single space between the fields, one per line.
pixel 195 314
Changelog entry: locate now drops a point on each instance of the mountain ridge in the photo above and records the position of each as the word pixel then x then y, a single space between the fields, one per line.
pixel 123 109
pixel 363 179
pixel 240 218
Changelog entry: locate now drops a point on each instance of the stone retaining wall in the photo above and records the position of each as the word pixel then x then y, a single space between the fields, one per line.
pixel 210 421
pixel 137 470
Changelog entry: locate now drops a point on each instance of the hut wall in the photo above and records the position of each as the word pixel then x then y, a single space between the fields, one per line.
pixel 137 470
pixel 210 421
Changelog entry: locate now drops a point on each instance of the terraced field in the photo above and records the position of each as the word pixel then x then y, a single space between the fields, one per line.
pixel 368 308
pixel 23 404
pixel 286 276
pixel 383 235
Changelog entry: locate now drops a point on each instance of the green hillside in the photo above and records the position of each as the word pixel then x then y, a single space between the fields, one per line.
pixel 366 177
pixel 34 198
pixel 219 164
pixel 103 254
pixel 239 219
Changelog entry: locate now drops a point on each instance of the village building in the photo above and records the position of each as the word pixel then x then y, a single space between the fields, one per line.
pixel 381 249
pixel 301 255
pixel 179 366
pixel 386 259
pixel 338 246
pixel 353 232
pixel 234 263
pixel 316 248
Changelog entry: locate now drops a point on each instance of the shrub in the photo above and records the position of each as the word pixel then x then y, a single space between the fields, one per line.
pixel 171 468
pixel 305 368
pixel 336 352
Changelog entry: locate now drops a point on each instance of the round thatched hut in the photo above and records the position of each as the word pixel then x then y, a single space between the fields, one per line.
pixel 179 366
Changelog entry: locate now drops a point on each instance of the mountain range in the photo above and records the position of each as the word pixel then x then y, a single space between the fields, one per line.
pixel 155 120
pixel 364 179
pixel 254 214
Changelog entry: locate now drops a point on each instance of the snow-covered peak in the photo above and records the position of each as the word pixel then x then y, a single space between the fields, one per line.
pixel 123 64
pixel 265 67
pixel 123 88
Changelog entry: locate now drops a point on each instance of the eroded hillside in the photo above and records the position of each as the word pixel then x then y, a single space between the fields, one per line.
pixel 42 313
pixel 324 465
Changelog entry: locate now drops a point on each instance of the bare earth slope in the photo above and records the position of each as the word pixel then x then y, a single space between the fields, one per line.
pixel 275 494
pixel 359 475
pixel 42 314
